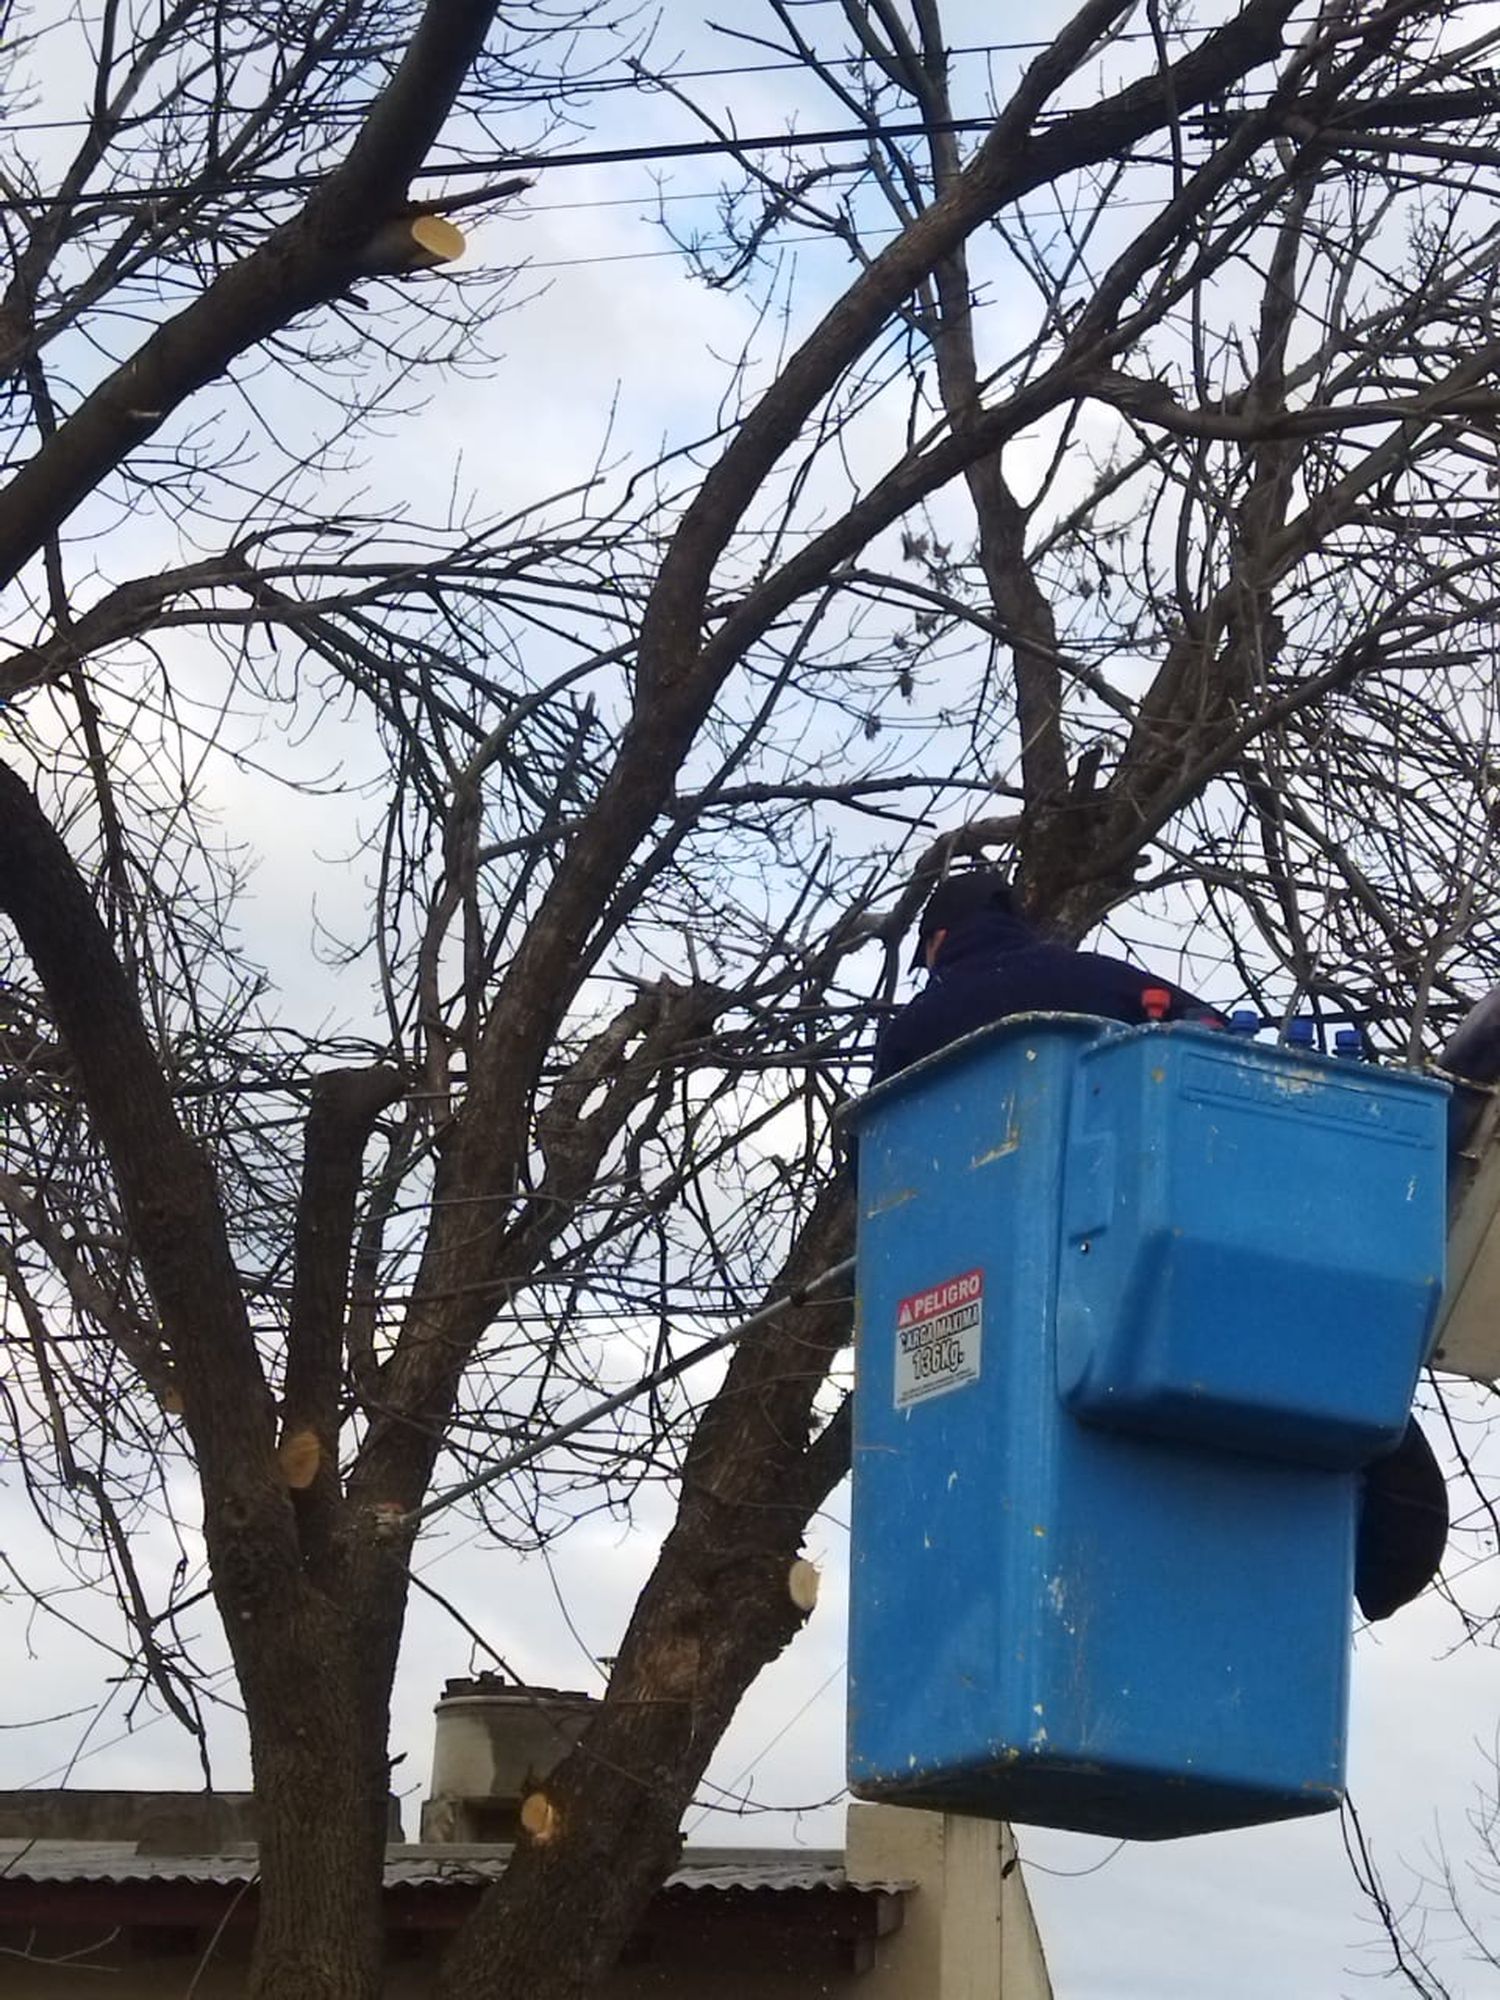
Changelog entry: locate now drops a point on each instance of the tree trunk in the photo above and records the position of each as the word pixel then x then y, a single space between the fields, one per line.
pixel 318 1698
pixel 602 1833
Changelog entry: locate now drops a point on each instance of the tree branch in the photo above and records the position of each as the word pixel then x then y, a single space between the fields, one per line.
pixel 302 264
pixel 166 1188
pixel 345 1106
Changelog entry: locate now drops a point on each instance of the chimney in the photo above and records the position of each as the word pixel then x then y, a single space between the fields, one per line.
pixel 493 1744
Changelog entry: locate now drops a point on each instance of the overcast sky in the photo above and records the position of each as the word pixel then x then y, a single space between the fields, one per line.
pixel 617 323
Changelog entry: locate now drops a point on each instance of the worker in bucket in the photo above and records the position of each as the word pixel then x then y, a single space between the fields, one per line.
pixel 985 962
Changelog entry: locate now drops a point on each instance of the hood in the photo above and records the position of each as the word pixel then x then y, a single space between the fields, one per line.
pixel 987 934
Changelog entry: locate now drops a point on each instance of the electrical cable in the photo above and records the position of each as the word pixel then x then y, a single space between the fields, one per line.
pixel 636 79
pixel 820 236
pixel 731 1790
pixel 267 186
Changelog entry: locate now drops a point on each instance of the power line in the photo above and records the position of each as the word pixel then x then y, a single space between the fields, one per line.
pixel 1415 110
pixel 647 256
pixel 731 1790
pixel 822 236
pixel 690 149
pixel 604 86
pixel 645 78
pixel 762 142
pixel 1406 113
pixel 712 194
pixel 1411 109
pixel 267 185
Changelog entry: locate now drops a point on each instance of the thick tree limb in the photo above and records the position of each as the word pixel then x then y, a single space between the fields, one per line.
pixel 123 613
pixel 345 1106
pixel 1018 601
pixel 166 1187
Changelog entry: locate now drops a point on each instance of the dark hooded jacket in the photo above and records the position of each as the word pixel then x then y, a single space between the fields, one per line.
pixel 992 964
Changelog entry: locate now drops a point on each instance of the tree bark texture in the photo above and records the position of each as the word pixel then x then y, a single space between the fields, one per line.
pixel 603 1830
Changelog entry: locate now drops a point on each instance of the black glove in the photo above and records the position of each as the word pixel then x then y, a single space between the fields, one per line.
pixel 1403 1526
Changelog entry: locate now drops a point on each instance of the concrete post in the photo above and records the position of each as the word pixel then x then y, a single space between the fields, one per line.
pixel 968 1932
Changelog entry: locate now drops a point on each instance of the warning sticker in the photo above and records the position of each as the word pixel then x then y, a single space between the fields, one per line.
pixel 937 1339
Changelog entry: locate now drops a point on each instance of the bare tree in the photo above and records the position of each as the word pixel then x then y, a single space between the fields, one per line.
pixel 1184 572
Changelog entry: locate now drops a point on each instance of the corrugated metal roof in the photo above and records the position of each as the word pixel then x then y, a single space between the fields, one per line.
pixel 773 1871
pixel 115 1861
pixel 739 1869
